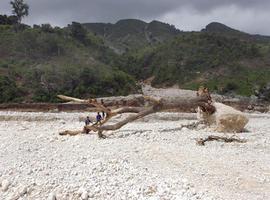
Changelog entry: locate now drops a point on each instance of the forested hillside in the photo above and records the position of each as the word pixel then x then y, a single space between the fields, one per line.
pixel 130 34
pixel 38 63
pixel 224 64
pixel 97 59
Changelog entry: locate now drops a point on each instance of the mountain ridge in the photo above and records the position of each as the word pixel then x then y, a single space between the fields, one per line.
pixel 120 35
pixel 219 28
pixel 97 59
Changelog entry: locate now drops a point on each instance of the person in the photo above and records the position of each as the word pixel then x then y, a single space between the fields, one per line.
pixel 103 115
pixel 98 118
pixel 87 121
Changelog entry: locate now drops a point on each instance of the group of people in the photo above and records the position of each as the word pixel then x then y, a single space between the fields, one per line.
pixel 99 118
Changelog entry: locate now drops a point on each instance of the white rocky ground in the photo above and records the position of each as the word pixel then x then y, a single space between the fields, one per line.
pixel 148 159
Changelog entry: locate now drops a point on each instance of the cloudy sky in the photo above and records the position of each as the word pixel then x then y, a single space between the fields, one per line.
pixel 252 16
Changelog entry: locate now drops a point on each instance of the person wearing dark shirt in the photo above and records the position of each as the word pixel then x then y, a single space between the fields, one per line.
pixel 87 121
pixel 98 118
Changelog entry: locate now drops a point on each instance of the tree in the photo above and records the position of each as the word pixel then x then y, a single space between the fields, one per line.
pixel 8 20
pixel 47 28
pixel 3 19
pixel 78 31
pixel 20 9
pixel 9 90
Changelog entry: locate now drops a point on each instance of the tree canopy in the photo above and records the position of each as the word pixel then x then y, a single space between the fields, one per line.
pixel 20 9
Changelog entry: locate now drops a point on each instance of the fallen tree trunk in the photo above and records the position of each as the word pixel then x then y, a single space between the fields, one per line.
pixel 155 105
pixel 137 100
pixel 225 118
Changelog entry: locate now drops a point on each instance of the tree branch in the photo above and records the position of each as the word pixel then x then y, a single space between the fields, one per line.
pixel 202 141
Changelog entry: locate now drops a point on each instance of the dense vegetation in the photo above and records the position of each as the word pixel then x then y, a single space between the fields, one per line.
pixel 130 34
pixel 38 62
pixel 191 59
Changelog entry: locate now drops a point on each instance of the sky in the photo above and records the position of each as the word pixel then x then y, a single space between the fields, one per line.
pixel 251 16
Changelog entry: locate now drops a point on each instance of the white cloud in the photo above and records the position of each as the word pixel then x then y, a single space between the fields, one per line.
pixel 244 19
pixel 247 15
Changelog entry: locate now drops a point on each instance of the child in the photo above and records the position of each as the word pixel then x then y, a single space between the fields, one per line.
pixel 98 118
pixel 87 121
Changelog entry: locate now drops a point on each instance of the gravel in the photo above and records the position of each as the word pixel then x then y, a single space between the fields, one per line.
pixel 149 159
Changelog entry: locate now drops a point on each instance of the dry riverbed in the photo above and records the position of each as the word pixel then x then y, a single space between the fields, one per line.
pixel 148 159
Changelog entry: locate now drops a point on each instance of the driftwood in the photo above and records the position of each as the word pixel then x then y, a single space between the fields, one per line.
pixel 224 119
pixel 217 115
pixel 155 105
pixel 201 141
pixel 191 126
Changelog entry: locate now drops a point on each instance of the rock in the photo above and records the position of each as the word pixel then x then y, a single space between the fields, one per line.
pixel 29 190
pixel 84 195
pixel 12 196
pixel 5 184
pixel 97 190
pixel 22 190
pixel 52 196
pixel 184 180
pixel 18 194
pixel 201 126
pixel 62 122
pixel 81 190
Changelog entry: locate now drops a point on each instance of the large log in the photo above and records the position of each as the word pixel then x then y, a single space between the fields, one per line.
pixel 240 103
pixel 225 118
pixel 137 100
pixel 155 105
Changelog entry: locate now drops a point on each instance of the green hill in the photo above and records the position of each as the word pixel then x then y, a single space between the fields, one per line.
pixel 224 64
pixel 38 63
pixel 129 34
pixel 98 59
pixel 226 31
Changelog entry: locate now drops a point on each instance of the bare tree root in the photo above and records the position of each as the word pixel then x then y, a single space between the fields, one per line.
pixel 201 141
